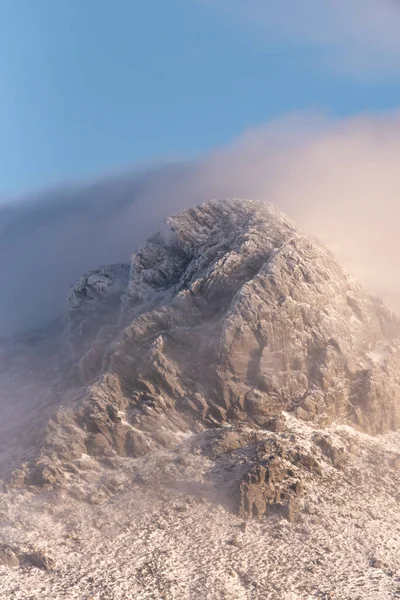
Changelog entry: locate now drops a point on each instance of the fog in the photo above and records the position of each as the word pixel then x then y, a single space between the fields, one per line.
pixel 338 179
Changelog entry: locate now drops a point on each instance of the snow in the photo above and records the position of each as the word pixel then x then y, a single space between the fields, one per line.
pixel 179 540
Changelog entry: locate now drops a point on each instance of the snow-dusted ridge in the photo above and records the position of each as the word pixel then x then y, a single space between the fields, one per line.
pixel 232 370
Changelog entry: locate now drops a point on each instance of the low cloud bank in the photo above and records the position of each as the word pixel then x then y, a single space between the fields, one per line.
pixel 339 180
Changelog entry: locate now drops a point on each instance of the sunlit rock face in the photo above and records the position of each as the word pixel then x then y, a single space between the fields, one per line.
pixel 230 316
pixel 229 374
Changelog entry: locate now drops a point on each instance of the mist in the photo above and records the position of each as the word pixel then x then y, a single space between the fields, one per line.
pixel 338 179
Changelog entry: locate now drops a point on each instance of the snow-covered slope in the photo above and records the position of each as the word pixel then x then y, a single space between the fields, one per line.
pixel 168 532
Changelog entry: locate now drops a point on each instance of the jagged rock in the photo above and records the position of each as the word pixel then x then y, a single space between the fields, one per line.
pixel 376 563
pixel 291 510
pixel 40 561
pixel 277 425
pixel 260 487
pixel 235 541
pixel 225 318
pixel 229 316
pixel 105 433
pixel 272 480
pixel 337 455
pixel 94 296
pixel 306 460
pixel 92 307
pixel 17 478
pixel 229 320
pixel 8 557
pixel 228 440
pixel 43 474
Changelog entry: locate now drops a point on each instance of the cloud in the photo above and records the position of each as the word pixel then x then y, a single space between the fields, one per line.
pixel 359 37
pixel 339 179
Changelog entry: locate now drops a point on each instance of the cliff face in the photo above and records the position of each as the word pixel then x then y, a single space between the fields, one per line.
pixel 231 316
pixel 232 365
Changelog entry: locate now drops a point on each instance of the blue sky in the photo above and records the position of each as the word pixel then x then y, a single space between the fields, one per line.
pixel 93 86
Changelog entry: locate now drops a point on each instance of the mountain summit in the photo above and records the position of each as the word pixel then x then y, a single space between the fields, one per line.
pixel 234 315
pixel 231 315
pixel 232 365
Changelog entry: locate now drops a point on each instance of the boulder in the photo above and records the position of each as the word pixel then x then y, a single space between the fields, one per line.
pixel 8 556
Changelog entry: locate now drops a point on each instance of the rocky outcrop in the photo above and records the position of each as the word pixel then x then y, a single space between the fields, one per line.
pixel 273 479
pixel 234 315
pixel 11 557
pixel 40 561
pixel 92 308
pixel 93 297
pixel 231 315
pixel 8 557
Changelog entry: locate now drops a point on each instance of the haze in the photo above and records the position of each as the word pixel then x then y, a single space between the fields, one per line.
pixel 338 179
pixel 221 68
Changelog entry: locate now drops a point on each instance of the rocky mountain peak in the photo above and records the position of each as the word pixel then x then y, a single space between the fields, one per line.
pixel 233 315
pixel 233 363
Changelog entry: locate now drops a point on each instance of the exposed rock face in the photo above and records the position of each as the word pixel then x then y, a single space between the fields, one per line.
pixel 220 370
pixel 92 307
pixel 273 479
pixel 40 561
pixel 8 557
pixel 231 315
pixel 94 296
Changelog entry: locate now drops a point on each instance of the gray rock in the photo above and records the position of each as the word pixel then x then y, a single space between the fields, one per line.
pixel 40 561
pixel 336 455
pixel 235 315
pixel 43 475
pixel 376 563
pixel 271 478
pixel 229 316
pixel 227 440
pixel 92 309
pixel 8 557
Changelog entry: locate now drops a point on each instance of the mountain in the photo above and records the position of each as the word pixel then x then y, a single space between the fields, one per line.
pixel 233 361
